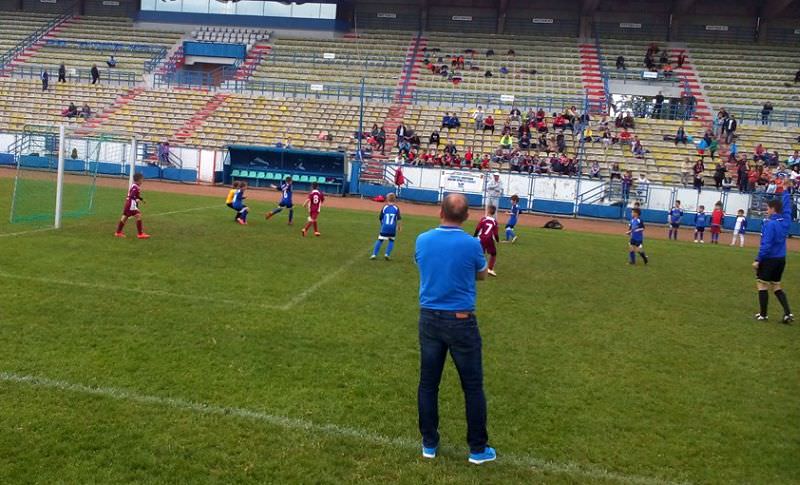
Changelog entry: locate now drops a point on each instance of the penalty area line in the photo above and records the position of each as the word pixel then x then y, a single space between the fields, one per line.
pixel 519 460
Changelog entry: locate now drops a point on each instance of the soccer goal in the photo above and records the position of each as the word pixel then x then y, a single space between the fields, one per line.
pixel 56 173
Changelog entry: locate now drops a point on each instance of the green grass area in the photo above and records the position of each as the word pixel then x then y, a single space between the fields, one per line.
pixel 220 353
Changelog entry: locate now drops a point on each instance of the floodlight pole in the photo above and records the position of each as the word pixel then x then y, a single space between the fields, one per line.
pixel 134 148
pixel 60 177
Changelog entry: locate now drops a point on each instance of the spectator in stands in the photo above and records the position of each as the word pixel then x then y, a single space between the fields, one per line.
pixel 686 172
pixel 561 143
pixel 413 140
pixel 797 77
pixel 681 59
pixel 766 111
pixel 760 152
pixel 659 104
pixel 111 62
pixel 741 175
pixel 638 149
pixel 506 141
pixel 468 157
pixel 488 73
pixel 627 182
pixel 477 116
pixel 730 129
pixel 793 160
pixel 45 79
pixel 594 170
pixel 488 124
pixel 489 52
pixel 559 122
pixel 71 111
pixel 434 139
pixel 95 72
pixel 625 137
pixel 698 170
pixel 719 174
pixel 86 111
pixel 733 150
pixel 525 140
pixel 680 135
pixel 615 173
pixel 450 149
pixel 506 129
pixel 721 121
pixel 628 122
pixel 62 73
pixel 666 70
pixel 620 63
pixel 400 132
pixel 380 138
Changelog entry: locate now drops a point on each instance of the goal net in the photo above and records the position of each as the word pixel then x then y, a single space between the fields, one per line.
pixel 40 194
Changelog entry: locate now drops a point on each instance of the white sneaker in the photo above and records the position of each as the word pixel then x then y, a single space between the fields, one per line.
pixel 372 257
pixel 514 239
pixel 761 317
pixel 491 272
pixel 696 241
pixel 702 242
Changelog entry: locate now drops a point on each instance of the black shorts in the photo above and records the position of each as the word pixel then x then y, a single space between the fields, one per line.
pixel 770 270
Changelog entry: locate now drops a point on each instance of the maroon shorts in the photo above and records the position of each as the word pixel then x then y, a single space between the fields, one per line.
pixel 131 209
pixel 715 229
pixel 489 247
pixel 312 216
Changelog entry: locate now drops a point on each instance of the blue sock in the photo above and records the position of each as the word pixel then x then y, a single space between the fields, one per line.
pixel 276 210
pixel 244 214
pixel 389 247
pixel 291 214
pixel 509 232
pixel 377 248
pixel 632 257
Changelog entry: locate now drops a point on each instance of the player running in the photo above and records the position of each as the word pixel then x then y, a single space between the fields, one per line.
pixel 314 204
pixel 636 231
pixel 390 225
pixel 286 200
pixel 512 219
pixel 131 208
pixel 237 204
pixel 230 197
pixel 488 234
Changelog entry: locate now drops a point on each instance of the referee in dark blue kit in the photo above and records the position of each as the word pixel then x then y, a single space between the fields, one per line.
pixel 450 261
pixel 771 259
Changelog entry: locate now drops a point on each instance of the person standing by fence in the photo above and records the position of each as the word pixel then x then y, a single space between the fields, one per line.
pixel 449 262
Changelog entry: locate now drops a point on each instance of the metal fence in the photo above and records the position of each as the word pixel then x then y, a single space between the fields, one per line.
pixel 34 71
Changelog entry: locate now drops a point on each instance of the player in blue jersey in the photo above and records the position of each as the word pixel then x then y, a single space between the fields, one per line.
pixel 238 205
pixel 700 223
pixel 512 219
pixel 636 231
pixel 286 200
pixel 771 259
pixel 674 220
pixel 390 225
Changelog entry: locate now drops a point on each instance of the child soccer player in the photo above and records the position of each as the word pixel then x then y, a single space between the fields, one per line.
pixel 636 231
pixel 717 216
pixel 488 234
pixel 131 208
pixel 700 221
pixel 314 204
pixel 674 220
pixel 286 200
pixel 390 220
pixel 512 220
pixel 771 259
pixel 230 197
pixel 740 228
pixel 237 204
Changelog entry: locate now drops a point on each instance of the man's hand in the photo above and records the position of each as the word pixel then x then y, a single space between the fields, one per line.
pixel 755 265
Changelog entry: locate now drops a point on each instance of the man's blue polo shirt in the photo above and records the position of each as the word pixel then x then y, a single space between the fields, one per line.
pixel 448 259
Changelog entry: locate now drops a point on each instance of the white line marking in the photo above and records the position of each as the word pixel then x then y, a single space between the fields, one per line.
pixel 86 223
pixel 520 460
pixel 300 297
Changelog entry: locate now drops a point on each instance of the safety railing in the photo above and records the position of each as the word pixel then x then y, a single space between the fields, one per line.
pixel 638 76
pixel 474 98
pixel 34 71
pixel 286 89
pixel 34 37
pixel 157 53
pixel 302 58
pixel 195 79
pixel 603 70
pixel 755 116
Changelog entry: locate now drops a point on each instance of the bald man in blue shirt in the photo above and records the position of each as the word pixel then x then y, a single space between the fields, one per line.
pixel 450 261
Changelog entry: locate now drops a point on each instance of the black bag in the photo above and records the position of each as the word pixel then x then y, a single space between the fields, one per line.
pixel 553 224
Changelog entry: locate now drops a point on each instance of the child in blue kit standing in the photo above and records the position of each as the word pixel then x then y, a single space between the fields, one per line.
pixel 700 223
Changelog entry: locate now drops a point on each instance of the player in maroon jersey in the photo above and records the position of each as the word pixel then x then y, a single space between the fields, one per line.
pixel 131 208
pixel 314 204
pixel 489 235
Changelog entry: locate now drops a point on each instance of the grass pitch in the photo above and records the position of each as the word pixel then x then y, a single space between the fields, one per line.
pixel 215 353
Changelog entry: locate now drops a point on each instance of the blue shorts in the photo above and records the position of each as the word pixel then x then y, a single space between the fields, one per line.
pixel 675 225
pixel 386 236
pixel 700 229
pixel 637 242
pixel 286 203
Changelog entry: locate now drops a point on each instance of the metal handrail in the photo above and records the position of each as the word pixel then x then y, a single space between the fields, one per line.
pixel 34 37
pixel 27 71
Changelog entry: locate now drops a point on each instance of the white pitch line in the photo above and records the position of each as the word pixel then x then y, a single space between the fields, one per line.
pixel 300 297
pixel 157 214
pixel 524 461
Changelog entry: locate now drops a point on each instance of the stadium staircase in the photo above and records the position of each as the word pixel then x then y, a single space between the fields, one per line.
pixel 252 60
pixel 96 120
pixel 689 73
pixel 592 78
pixel 37 41
pixel 187 130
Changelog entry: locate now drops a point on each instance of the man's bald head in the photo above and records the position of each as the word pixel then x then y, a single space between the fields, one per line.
pixel 455 209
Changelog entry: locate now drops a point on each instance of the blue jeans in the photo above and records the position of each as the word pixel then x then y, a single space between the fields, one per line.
pixel 440 331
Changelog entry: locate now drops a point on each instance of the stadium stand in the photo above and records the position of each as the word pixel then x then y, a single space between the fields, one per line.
pixel 548 66
pixel 23 102
pixel 16 26
pixel 379 57
pixel 748 75
pixel 83 41
pixel 245 36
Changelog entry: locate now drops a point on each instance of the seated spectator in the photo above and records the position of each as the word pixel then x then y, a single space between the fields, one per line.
pixel 638 149
pixel 594 170
pixel 681 58
pixel 587 134
pixel 446 120
pixel 620 63
pixel 86 111
pixel 616 172
pixel 663 59
pixel 111 62
pixel 71 111
pixel 506 141
pixel 488 124
pixel 478 116
pixel 797 76
pixel 680 136
pixel 727 183
pixel 541 144
pixel 540 115
pixel 667 71
pixel 450 149
pixel 487 74
pixel 628 122
pixel 793 160
pixel 468 156
pixel 485 162
pixel 434 139
pixel 503 70
pixel 489 52
pixel 559 122
pixel 561 143
pixel 454 121
pixel 506 129
pixel 525 141
pixel 511 52
pixel 380 139
pixel 413 140
pixel 625 137
pixel 760 152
